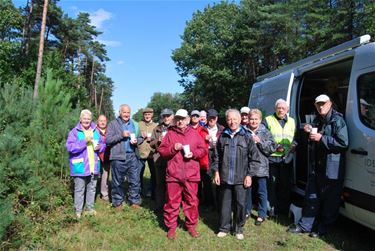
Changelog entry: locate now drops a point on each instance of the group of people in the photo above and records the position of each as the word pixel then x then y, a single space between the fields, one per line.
pixel 193 160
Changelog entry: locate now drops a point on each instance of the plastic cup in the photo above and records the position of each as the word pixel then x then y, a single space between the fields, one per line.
pixel 186 149
pixel 149 135
pixel 132 136
pixel 95 143
pixel 164 133
pixel 314 130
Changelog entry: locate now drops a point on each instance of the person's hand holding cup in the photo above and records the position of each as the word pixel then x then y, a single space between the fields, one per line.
pixel 307 128
pixel 187 153
pixel 314 135
pixel 133 139
pixel 95 144
pixel 126 134
pixel 148 136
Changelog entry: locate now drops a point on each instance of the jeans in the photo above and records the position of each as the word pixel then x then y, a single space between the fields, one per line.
pixel 131 169
pixel 81 184
pixel 263 198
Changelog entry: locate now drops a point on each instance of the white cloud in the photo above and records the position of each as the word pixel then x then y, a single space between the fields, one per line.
pixel 99 17
pixel 120 62
pixel 110 43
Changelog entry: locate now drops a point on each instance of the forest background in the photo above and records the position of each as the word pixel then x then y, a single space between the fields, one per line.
pixel 223 49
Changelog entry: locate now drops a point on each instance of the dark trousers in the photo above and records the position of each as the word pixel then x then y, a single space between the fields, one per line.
pixel 322 203
pixel 205 193
pixel 126 168
pixel 261 183
pixel 279 187
pixel 160 186
pixel 232 195
pixel 151 166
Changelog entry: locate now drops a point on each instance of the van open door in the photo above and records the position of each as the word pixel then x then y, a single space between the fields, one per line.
pixel 359 190
pixel 265 93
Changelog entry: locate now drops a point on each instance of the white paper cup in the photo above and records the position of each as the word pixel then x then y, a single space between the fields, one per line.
pixel 214 138
pixel 314 130
pixel 164 133
pixel 132 136
pixel 149 135
pixel 186 149
pixel 95 143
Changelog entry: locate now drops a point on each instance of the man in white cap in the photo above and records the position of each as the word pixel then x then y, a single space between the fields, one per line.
pixel 365 112
pixel 328 137
pixel 182 146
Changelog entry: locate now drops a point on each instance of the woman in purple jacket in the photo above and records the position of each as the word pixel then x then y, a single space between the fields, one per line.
pixel 84 145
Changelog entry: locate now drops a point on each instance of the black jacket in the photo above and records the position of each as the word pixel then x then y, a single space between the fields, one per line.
pixel 240 149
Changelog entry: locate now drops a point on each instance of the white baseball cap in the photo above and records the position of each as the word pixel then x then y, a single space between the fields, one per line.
pixel 181 113
pixel 322 98
pixel 245 109
pixel 364 102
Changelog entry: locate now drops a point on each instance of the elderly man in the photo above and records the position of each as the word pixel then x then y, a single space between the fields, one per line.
pixel 182 147
pixel 146 126
pixel 245 116
pixel 282 128
pixel 122 136
pixel 104 158
pixel 328 137
pixel 202 117
pixel 235 158
pixel 157 136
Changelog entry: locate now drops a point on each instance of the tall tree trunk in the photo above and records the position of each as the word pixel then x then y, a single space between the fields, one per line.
pixel 26 30
pixel 96 100
pixel 41 48
pixel 92 81
pixel 101 101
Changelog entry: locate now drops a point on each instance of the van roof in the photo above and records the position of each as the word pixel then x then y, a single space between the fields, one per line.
pixel 321 55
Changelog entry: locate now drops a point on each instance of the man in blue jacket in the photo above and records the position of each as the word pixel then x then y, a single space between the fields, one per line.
pixel 122 137
pixel 328 143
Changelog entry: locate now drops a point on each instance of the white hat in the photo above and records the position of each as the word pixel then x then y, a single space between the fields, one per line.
pixel 181 113
pixel 322 98
pixel 363 102
pixel 245 109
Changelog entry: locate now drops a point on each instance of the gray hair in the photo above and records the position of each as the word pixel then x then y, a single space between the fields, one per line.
pixel 124 105
pixel 281 101
pixel 85 112
pixel 237 112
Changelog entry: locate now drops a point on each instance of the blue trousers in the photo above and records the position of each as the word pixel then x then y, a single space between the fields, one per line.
pixel 129 168
pixel 263 198
pixel 322 203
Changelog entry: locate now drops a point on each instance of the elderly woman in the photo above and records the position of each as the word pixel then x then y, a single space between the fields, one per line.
pixel 260 172
pixel 84 145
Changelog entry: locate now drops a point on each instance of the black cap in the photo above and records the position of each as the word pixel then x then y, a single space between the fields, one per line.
pixel 166 111
pixel 212 113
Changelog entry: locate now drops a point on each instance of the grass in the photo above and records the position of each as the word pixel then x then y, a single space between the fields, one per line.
pixel 143 229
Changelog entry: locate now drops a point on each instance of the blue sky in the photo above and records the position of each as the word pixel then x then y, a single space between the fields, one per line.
pixel 139 37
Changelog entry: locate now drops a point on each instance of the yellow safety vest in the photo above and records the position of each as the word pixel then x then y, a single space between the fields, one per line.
pixel 283 136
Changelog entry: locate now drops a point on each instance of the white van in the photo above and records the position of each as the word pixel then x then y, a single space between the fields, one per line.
pixel 347 74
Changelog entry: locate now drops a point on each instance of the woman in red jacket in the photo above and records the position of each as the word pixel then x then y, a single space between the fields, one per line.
pixel 183 147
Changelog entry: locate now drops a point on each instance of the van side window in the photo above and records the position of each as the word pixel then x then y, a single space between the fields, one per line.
pixel 366 99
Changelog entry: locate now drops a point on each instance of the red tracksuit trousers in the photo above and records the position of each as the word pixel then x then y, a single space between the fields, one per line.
pixel 175 192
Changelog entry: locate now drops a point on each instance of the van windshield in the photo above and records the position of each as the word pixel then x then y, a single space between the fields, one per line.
pixel 366 99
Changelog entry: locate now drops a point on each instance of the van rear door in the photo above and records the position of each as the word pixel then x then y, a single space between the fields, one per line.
pixel 265 93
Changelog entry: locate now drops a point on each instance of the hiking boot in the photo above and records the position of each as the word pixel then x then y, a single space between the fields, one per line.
pixel 118 208
pixel 78 215
pixel 91 212
pixel 135 206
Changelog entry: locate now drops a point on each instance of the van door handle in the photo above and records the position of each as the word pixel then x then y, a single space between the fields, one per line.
pixel 360 152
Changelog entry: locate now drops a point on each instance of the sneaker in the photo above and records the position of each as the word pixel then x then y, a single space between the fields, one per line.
pixel 91 212
pixel 171 234
pixel 239 236
pixel 259 221
pixel 221 234
pixel 193 232
pixel 105 198
pixel 78 215
pixel 118 208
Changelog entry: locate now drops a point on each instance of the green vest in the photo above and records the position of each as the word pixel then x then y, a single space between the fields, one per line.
pixel 283 136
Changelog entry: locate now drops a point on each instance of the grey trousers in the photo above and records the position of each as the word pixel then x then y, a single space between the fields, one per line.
pixel 81 184
pixel 104 181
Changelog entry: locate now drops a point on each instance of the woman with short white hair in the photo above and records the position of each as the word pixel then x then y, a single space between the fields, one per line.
pixel 84 144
